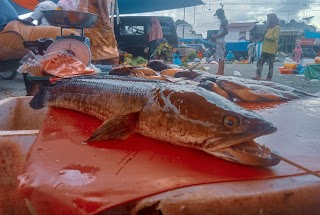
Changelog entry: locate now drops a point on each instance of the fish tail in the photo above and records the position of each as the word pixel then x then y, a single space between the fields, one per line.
pixel 301 94
pixel 37 102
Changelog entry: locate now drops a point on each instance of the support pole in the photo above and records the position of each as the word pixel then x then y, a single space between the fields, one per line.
pixel 184 20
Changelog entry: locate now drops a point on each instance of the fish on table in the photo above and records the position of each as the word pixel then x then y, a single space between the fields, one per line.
pixel 289 92
pixel 231 87
pixel 184 115
pixel 252 90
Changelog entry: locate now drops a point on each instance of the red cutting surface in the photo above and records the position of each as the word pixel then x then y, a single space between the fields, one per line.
pixel 63 175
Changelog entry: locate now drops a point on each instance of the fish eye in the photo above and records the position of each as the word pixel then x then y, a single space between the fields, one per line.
pixel 231 122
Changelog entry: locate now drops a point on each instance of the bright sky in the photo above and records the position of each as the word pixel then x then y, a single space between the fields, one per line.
pixel 201 17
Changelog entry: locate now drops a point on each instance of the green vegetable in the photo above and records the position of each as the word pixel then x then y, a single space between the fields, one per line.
pixel 135 61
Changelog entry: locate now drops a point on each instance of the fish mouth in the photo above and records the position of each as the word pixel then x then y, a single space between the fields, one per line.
pixel 244 150
pixel 248 152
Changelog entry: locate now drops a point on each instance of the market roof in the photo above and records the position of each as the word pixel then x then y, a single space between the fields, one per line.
pixel 125 6
pixel 242 26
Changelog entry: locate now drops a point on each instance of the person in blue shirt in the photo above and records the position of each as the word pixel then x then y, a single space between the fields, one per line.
pixel 176 58
pixel 230 56
pixel 14 32
pixel 7 13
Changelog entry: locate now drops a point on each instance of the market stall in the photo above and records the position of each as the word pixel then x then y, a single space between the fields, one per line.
pixel 62 174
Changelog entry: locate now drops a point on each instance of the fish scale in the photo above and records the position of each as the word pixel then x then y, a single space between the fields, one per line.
pixel 183 115
pixel 83 99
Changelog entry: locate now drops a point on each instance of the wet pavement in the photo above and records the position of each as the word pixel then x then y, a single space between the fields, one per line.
pixel 15 87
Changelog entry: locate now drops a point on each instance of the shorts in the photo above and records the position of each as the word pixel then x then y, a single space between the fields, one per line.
pixel 220 50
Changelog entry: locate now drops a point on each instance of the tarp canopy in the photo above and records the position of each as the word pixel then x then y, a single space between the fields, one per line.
pixel 125 6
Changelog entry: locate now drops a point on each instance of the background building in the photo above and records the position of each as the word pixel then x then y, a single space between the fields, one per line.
pixel 240 31
pixel 185 31
pixel 246 31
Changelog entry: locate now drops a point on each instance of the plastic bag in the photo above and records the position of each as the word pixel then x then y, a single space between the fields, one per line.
pixel 62 64
pixel 31 65
pixel 290 64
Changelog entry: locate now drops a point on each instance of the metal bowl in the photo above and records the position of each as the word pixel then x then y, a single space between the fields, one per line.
pixel 70 19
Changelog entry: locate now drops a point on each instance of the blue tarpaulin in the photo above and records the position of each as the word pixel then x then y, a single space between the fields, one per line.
pixel 128 6
pixel 237 46
pixel 311 35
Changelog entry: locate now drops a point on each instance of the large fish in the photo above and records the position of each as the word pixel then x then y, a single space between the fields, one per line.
pixel 188 116
pixel 252 90
pixel 293 93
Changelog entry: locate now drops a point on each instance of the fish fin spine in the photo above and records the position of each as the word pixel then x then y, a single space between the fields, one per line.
pixel 118 127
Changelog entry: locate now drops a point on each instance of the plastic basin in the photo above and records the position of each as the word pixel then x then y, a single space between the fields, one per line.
pixel 19 126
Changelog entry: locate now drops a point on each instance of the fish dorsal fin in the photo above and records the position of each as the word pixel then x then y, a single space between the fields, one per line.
pixel 118 127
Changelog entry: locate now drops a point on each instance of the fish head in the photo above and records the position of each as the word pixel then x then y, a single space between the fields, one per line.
pixel 211 123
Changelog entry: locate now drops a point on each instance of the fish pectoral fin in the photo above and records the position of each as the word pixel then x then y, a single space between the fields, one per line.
pixel 118 127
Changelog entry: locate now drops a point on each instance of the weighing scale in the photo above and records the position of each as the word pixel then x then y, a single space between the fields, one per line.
pixel 79 46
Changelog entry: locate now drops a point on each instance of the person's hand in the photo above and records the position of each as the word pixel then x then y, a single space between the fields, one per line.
pixel 213 37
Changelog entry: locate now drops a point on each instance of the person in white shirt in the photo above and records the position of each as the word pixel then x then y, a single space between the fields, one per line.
pixel 219 39
pixel 37 13
pixel 251 52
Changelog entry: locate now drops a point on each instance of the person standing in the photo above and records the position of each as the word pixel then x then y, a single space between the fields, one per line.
pixel 37 13
pixel 251 52
pixel 219 39
pixel 155 34
pixel 269 46
pixel 297 53
pixel 103 44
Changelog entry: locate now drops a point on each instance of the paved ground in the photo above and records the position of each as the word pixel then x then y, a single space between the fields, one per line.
pixel 16 87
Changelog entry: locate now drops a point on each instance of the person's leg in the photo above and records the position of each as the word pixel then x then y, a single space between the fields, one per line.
pixel 271 60
pixel 37 32
pixel 220 51
pixel 152 48
pixel 260 63
pixel 221 67
pixel 11 46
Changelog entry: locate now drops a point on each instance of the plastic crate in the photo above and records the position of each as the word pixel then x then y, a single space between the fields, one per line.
pixel 283 70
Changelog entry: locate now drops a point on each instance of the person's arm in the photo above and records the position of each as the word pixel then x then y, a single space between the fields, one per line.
pixel 273 34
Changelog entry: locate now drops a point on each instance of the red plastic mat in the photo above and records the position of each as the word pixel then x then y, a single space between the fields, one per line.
pixel 63 175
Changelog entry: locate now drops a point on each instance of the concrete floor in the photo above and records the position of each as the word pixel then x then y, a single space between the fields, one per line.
pixel 15 87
